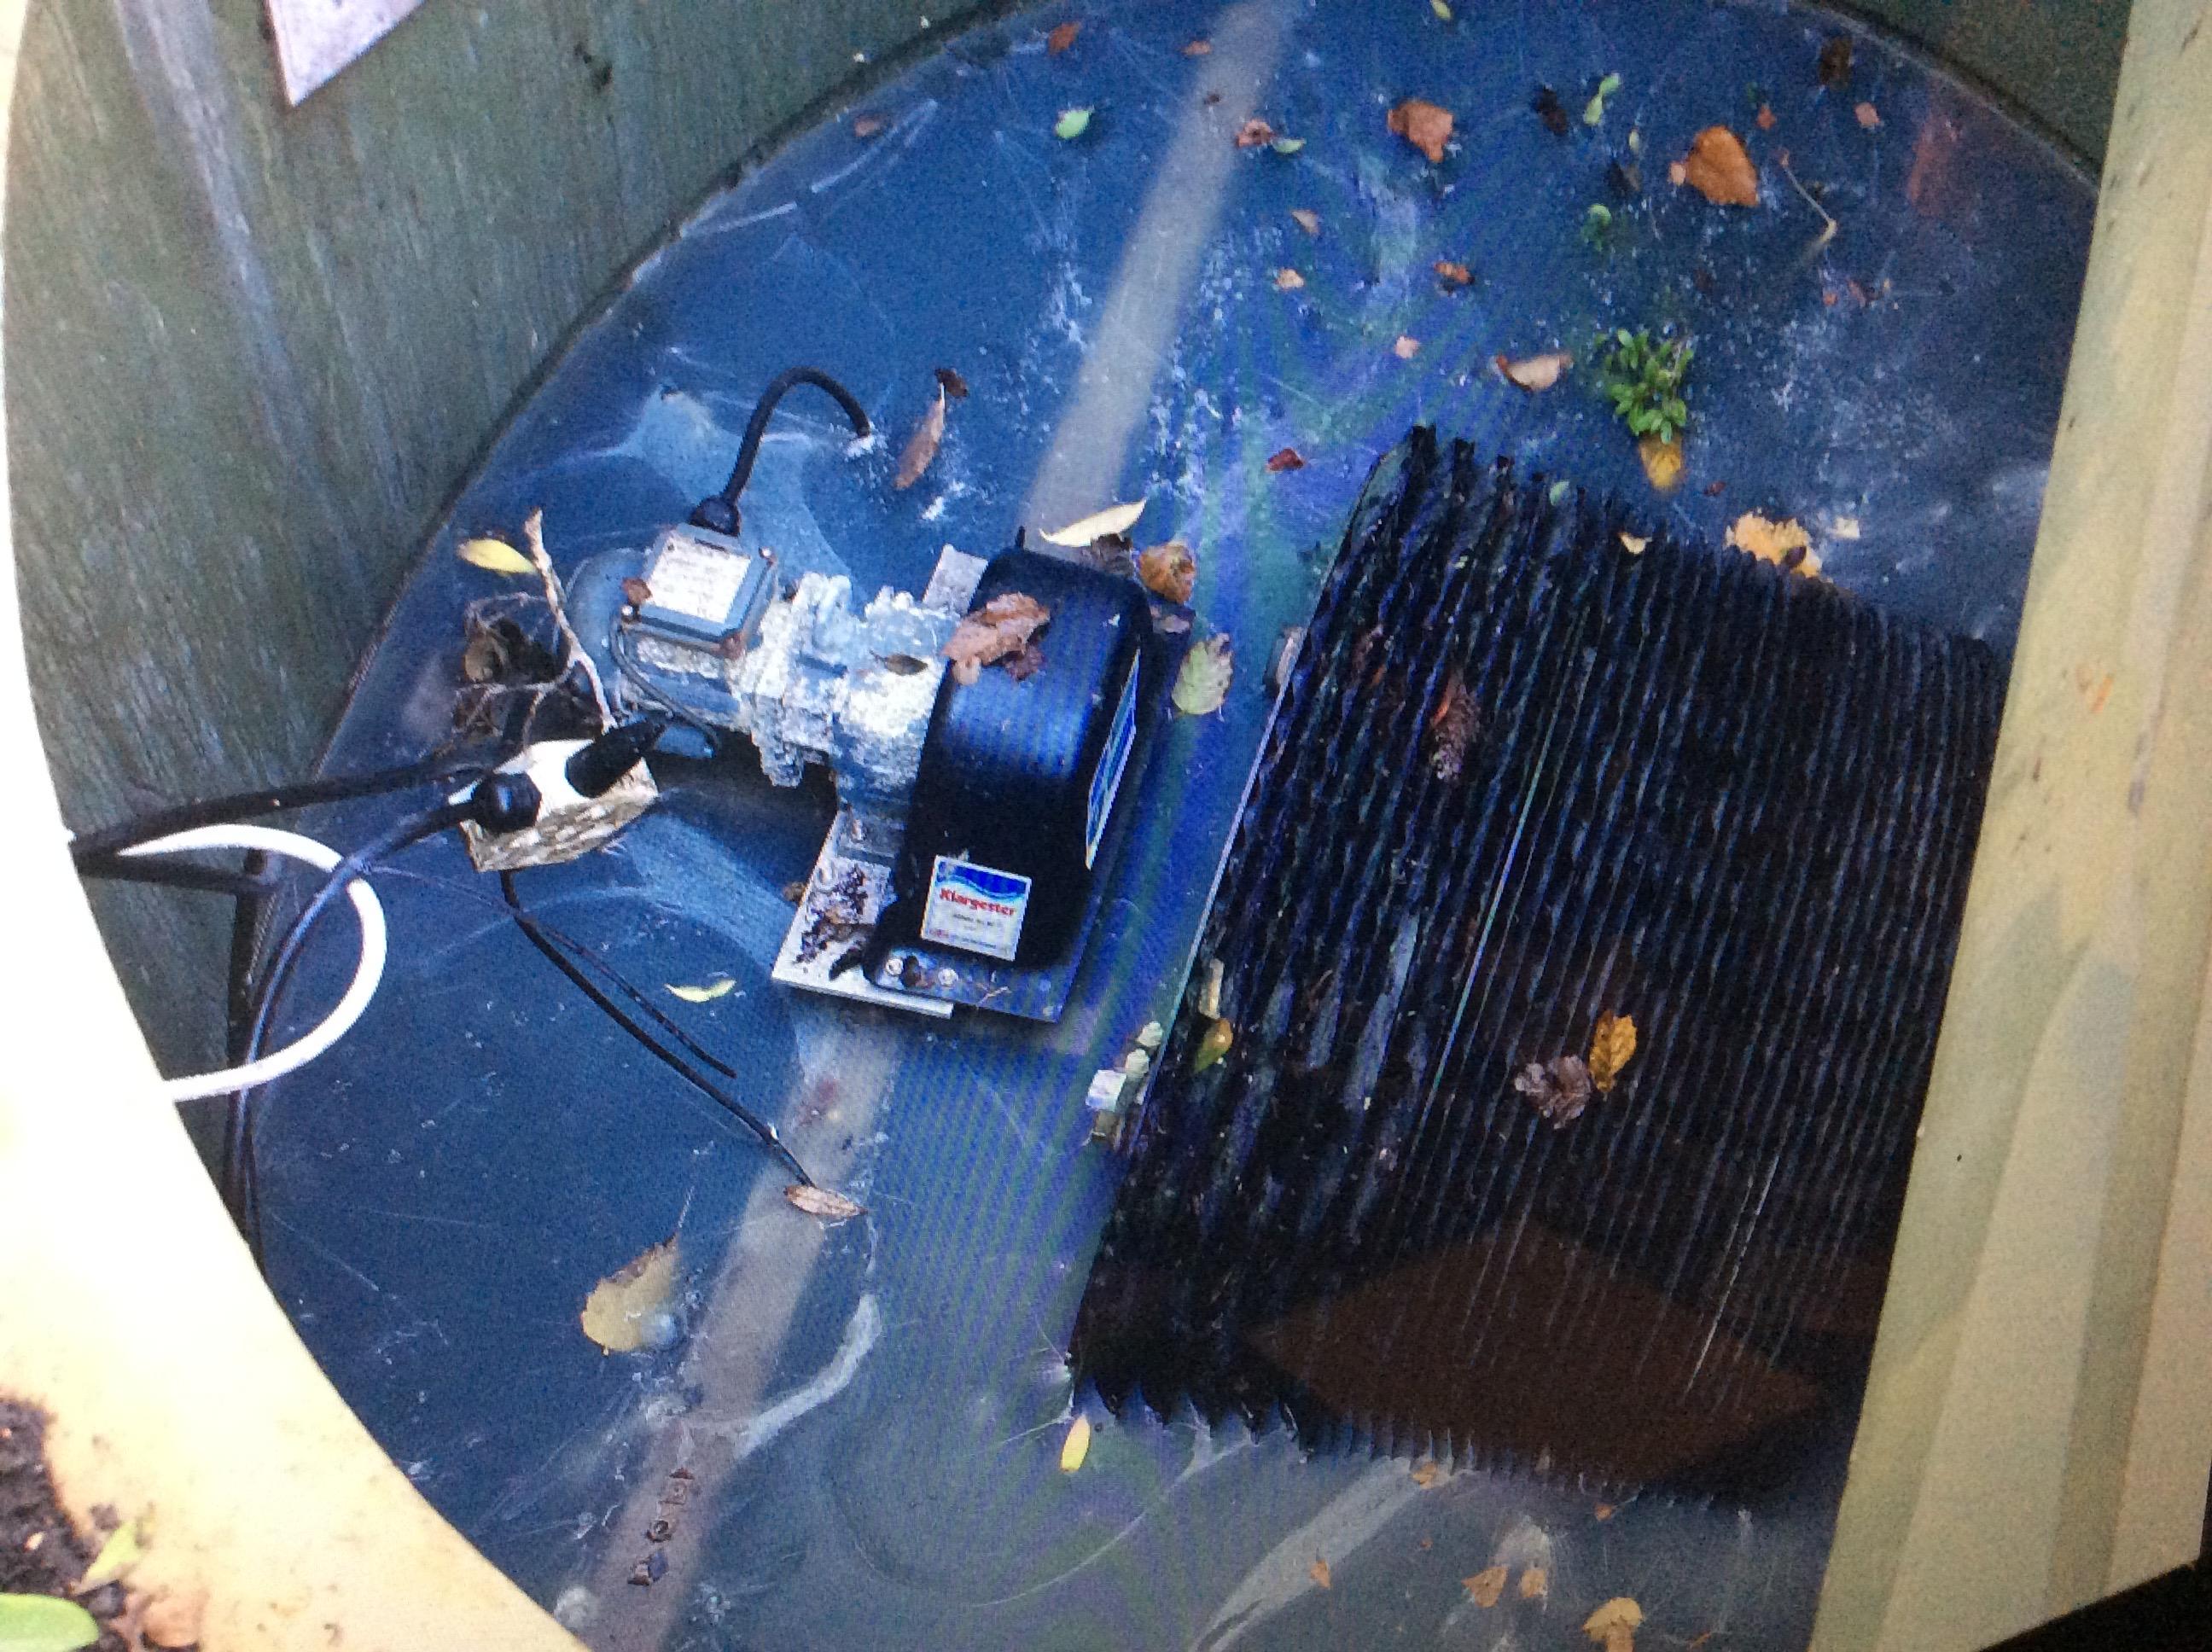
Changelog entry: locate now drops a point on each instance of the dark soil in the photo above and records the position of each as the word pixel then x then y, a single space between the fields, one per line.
pixel 39 1552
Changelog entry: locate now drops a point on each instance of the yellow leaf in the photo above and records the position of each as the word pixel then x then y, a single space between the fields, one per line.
pixel 1114 518
pixel 1633 544
pixel 1319 1571
pixel 1442 10
pixel 1719 168
pixel 1076 1446
pixel 720 986
pixel 1611 1047
pixel 1484 1588
pixel 495 555
pixel 1203 683
pixel 820 1201
pixel 1306 219
pixel 628 1308
pixel 1288 280
pixel 1614 1626
pixel 1785 544
pixel 1426 1475
pixel 1407 347
pixel 1535 1584
pixel 1662 461
pixel 124 1548
pixel 1212 1045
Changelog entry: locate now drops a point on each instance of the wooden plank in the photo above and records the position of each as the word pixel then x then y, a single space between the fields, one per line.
pixel 2038 1429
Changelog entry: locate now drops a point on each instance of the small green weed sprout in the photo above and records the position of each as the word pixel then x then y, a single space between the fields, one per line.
pixel 1643 377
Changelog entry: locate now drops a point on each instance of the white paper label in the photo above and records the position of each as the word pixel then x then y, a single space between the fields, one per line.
pixel 976 908
pixel 700 580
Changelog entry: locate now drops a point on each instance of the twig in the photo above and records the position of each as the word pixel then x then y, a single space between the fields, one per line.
pixel 533 532
pixel 1826 234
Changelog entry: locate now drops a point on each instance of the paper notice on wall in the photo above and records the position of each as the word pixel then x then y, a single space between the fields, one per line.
pixel 315 38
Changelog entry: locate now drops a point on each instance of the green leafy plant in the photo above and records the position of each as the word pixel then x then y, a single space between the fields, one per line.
pixel 1598 226
pixel 1643 378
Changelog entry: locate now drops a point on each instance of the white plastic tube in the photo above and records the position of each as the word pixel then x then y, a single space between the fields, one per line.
pixel 366 975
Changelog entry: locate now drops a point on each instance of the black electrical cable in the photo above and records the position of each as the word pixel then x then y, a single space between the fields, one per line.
pixel 752 1120
pixel 718 511
pixel 228 810
pixel 239 1145
pixel 627 666
pixel 211 880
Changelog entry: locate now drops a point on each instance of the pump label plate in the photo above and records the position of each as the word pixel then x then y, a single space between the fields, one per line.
pixel 976 908
pixel 701 582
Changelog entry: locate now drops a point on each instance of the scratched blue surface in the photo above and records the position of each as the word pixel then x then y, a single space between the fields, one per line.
pixel 873 1416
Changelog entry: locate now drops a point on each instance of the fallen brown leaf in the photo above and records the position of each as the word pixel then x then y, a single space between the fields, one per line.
pixel 1001 628
pixel 1785 544
pixel 1169 570
pixel 1216 1043
pixel 1535 373
pixel 1551 112
pixel 1559 1090
pixel 1486 1586
pixel 822 1202
pixel 1633 544
pixel 620 1313
pixel 1535 1584
pixel 1198 48
pixel 1836 61
pixel 173 1620
pixel 1611 1047
pixel 952 384
pixel 1288 280
pixel 921 447
pixel 1869 117
pixel 1603 1511
pixel 1061 38
pixel 868 126
pixel 1451 728
pixel 1427 126
pixel 1719 168
pixel 1406 347
pixel 1306 219
pixel 1614 1626
pixel 1765 117
pixel 1286 459
pixel 1255 134
pixel 1453 274
pixel 1319 1571
pixel 1426 1475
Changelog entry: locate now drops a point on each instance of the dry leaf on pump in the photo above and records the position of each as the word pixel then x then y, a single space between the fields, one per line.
pixel 721 986
pixel 1407 347
pixel 1614 1626
pixel 1868 116
pixel 1785 544
pixel 1306 219
pixel 1662 461
pixel 1427 126
pixel 1485 1586
pixel 1454 275
pixel 921 447
pixel 1319 1571
pixel 953 384
pixel 1559 1089
pixel 1099 525
pixel 1061 38
pixel 1076 1446
pixel 1255 133
pixel 1719 168
pixel 1001 628
pixel 1426 1475
pixel 1288 280
pixel 1451 728
pixel 1535 373
pixel 1286 459
pixel 628 1308
pixel 1203 683
pixel 1169 570
pixel 822 1202
pixel 1612 1046
pixel 493 555
pixel 1198 48
pixel 1535 1584
pixel 1633 544
pixel 867 126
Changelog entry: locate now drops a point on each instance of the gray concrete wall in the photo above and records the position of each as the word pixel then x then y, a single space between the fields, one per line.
pixel 250 350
